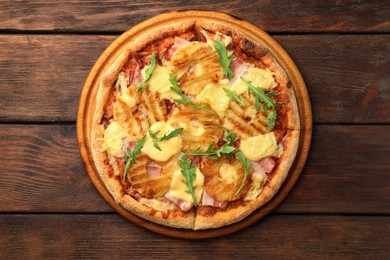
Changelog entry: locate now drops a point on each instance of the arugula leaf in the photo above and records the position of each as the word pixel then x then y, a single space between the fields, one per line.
pixel 272 116
pixel 234 97
pixel 130 155
pixel 188 171
pixel 247 167
pixel 154 138
pixel 208 152
pixel 184 99
pixel 224 59
pixel 175 86
pixel 268 103
pixel 225 150
pixel 171 134
pixel 148 73
pixel 166 136
pixel 229 136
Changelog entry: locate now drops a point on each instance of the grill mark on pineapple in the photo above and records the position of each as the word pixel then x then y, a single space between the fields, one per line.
pixel 156 106
pixel 204 58
pixel 146 184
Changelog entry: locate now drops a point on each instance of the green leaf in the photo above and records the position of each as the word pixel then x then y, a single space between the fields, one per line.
pixel 247 167
pixel 224 59
pixel 272 116
pixel 130 157
pixel 154 139
pixel 171 134
pixel 262 97
pixel 229 136
pixel 188 171
pixel 225 149
pixel 175 86
pixel 148 73
pixel 234 97
pixel 209 151
pixel 260 94
pixel 166 136
pixel 184 99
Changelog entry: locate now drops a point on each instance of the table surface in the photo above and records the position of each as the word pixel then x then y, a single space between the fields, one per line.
pixel 340 206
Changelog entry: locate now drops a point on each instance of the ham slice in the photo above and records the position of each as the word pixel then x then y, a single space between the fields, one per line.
pixel 177 44
pixel 133 72
pixel 209 201
pixel 153 169
pixel 128 145
pixel 195 160
pixel 264 165
pixel 183 205
pixel 239 68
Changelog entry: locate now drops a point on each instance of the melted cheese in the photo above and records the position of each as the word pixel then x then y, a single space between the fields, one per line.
pixel 113 139
pixel 157 204
pixel 260 146
pixel 179 190
pixel 214 95
pixel 227 173
pixel 256 187
pixel 159 82
pixel 258 77
pixel 168 147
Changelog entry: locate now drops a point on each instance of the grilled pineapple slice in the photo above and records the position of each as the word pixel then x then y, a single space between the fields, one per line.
pixel 245 121
pixel 156 108
pixel 152 179
pixel 123 112
pixel 200 127
pixel 195 65
pixel 223 178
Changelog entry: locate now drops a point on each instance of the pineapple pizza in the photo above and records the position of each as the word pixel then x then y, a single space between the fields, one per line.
pixel 196 126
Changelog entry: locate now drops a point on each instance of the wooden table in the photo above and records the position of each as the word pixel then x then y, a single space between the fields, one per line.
pixel 340 206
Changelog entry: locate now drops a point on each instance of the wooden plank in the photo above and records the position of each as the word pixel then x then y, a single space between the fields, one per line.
pixel 347 171
pixel 348 77
pixel 42 171
pixel 42 75
pixel 100 236
pixel 273 16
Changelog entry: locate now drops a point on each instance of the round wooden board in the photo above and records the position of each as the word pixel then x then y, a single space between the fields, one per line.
pixel 88 100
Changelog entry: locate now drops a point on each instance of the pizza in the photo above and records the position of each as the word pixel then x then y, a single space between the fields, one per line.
pixel 196 126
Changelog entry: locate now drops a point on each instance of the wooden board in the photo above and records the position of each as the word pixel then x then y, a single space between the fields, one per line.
pixel 281 236
pixel 276 15
pixel 88 99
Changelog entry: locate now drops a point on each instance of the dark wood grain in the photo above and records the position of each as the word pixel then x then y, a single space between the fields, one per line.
pixel 41 170
pixel 348 77
pixel 273 16
pixel 42 76
pixel 347 172
pixel 94 236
